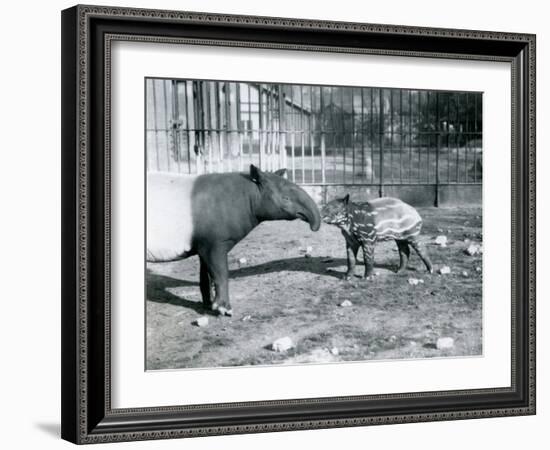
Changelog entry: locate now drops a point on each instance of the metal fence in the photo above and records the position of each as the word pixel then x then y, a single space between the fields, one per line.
pixel 323 135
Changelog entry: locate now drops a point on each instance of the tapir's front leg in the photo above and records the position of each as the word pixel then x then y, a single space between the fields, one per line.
pixel 352 249
pixel 216 261
pixel 205 285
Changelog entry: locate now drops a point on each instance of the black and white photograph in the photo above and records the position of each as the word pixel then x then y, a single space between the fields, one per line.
pixel 311 224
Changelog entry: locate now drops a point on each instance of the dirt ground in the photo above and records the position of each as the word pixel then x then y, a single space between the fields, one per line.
pixel 279 292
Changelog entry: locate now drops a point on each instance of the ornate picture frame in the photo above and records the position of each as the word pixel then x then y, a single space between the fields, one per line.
pixel 88 33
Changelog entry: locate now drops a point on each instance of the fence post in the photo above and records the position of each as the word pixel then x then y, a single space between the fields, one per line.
pixel 323 148
pixel 437 148
pixel 381 139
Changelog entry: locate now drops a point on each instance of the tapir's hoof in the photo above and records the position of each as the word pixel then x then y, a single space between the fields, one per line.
pixel 222 310
pixel 225 312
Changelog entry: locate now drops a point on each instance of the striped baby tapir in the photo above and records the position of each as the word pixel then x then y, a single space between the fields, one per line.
pixel 207 215
pixel 365 223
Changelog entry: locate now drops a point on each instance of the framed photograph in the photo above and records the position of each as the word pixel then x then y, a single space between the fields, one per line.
pixel 282 224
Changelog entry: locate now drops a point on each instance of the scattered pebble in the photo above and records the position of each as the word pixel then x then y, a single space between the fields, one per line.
pixel 415 281
pixel 246 318
pixel 478 269
pixel 464 273
pixel 309 249
pixel 242 261
pixel 334 351
pixel 472 250
pixel 441 241
pixel 445 343
pixel 445 270
pixel 346 303
pixel 282 344
pixel 440 230
pixel 200 322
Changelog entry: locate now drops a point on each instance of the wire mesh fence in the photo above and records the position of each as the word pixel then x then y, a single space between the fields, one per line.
pixel 323 135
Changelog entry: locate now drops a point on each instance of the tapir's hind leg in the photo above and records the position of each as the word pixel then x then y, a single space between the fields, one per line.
pixel 421 250
pixel 368 257
pixel 404 254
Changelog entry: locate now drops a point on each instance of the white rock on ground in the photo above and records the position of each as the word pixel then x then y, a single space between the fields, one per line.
pixel 441 240
pixel 309 249
pixel 334 351
pixel 464 273
pixel 472 250
pixel 415 281
pixel 445 270
pixel 242 261
pixel 201 321
pixel 282 344
pixel 445 343
pixel 346 303
pixel 478 269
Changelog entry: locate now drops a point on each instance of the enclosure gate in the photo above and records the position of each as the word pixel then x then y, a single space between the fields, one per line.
pixel 323 135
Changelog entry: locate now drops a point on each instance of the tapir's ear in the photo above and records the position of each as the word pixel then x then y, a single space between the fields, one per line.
pixel 255 174
pixel 280 172
pixel 346 199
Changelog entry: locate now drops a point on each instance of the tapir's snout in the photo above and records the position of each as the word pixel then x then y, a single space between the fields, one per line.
pixel 308 211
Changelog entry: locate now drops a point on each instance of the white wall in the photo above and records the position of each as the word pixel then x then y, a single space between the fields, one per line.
pixel 30 229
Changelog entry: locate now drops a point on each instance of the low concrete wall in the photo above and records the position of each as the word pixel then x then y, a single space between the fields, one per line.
pixel 450 195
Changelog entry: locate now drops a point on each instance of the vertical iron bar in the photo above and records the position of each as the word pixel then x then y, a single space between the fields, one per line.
pixel 175 124
pixel 353 132
pixel 381 139
pixel 391 135
pixel 401 136
pixel 208 123
pixel 292 136
pixel 333 134
pixel 155 123
pixel 410 135
pixel 466 152
pixel 282 127
pixel 363 168
pixel 238 120
pixel 419 146
pixel 428 139
pixel 437 149
pixel 476 139
pixel 343 132
pixel 371 133
pixel 249 125
pixel 302 133
pixel 311 134
pixel 261 125
pixel 323 149
pixel 166 131
pixel 186 117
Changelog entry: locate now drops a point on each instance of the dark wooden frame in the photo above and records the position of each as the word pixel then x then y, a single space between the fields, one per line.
pixel 87 32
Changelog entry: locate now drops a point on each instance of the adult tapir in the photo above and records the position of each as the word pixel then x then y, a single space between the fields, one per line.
pixel 362 224
pixel 208 214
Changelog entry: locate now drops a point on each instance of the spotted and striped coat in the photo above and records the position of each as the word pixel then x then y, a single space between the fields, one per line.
pixel 363 224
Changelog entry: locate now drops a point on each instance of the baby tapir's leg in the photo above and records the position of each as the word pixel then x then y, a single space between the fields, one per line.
pixel 352 249
pixel 368 256
pixel 421 250
pixel 404 254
